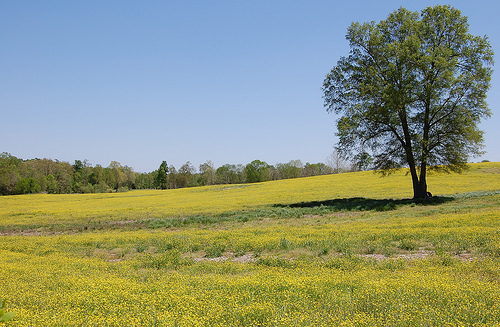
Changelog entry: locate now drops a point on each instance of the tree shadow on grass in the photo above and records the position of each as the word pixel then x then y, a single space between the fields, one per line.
pixel 365 204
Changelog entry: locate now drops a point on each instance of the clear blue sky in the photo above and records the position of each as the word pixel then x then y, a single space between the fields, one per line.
pixel 139 82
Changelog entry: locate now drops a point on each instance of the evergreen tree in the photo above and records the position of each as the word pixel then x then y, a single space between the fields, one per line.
pixel 161 176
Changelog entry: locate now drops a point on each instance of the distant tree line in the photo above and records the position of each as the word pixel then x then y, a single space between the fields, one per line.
pixel 18 176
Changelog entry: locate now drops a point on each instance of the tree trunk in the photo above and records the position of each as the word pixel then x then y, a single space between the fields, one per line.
pixel 420 189
pixel 419 182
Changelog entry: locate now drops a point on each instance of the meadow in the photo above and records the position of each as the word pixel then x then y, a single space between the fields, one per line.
pixel 335 250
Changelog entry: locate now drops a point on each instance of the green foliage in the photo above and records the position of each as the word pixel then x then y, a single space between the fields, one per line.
pixel 215 250
pixel 292 169
pixel 170 259
pixel 161 176
pixel 257 171
pixel 346 263
pixel 229 174
pixel 276 262
pixel 185 175
pixel 19 176
pixel 51 184
pixel 207 173
pixel 9 172
pixel 4 317
pixel 27 186
pixel 412 91
pixel 362 161
pixel 48 176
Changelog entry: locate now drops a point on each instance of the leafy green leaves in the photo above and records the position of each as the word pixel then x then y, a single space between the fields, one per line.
pixel 5 316
pixel 412 91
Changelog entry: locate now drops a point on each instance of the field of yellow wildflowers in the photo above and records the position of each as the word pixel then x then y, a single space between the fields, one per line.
pixel 339 250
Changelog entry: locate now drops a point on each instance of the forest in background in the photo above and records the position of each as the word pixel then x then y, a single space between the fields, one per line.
pixel 20 176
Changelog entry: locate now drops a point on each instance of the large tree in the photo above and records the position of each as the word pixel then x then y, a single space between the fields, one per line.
pixel 257 171
pixel 207 173
pixel 160 179
pixel 412 91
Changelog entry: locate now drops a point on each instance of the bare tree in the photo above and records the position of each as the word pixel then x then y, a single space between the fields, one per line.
pixel 337 163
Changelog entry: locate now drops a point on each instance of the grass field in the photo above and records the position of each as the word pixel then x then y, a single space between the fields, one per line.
pixel 338 250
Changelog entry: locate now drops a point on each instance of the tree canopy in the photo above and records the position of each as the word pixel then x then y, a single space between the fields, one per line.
pixel 160 180
pixel 412 91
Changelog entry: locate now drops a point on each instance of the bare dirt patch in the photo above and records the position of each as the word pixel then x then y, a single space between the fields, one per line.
pixel 247 258
pixel 420 254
